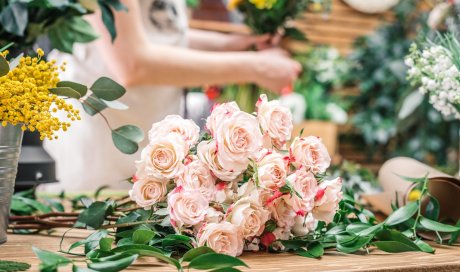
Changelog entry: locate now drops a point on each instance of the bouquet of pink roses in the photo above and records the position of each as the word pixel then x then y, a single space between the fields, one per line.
pixel 238 186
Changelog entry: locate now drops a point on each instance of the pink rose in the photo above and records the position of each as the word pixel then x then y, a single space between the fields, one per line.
pixel 187 129
pixel 146 192
pixel 304 225
pixel 327 200
pixel 306 185
pixel 226 192
pixel 249 216
pixel 272 170
pixel 282 213
pixel 275 121
pixel 238 139
pixel 186 208
pixel 196 176
pixel 310 152
pixel 207 153
pixel 162 158
pixel 223 238
pixel 218 113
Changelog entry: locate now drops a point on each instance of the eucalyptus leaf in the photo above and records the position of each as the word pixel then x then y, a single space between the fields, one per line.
pixel 402 214
pixel 107 89
pixel 436 226
pixel 93 105
pixel 65 91
pixel 14 18
pixel 4 67
pixel 115 104
pixel 215 261
pixel 127 138
pixel 80 88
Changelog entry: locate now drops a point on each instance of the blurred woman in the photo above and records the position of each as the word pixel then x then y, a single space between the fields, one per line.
pixel 153 56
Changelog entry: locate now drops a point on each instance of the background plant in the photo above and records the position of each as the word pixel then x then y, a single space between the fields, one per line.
pixel 379 73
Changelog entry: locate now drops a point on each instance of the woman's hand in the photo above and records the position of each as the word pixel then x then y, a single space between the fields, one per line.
pixel 274 69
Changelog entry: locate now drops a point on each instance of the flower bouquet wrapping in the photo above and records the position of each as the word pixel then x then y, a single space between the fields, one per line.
pixel 238 186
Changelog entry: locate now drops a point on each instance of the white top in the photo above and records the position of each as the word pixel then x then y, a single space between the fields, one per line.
pixel 85 155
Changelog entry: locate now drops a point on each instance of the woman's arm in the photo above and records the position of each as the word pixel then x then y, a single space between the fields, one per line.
pixel 215 41
pixel 134 60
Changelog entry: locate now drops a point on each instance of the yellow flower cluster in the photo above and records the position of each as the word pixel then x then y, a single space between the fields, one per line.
pixel 25 98
pixel 260 4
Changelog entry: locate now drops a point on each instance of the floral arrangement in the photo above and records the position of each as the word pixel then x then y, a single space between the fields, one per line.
pixel 33 96
pixel 238 186
pixel 436 68
pixel 273 16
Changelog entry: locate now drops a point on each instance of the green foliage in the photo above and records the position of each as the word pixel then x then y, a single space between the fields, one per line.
pixel 4 67
pixel 127 138
pixel 10 266
pixel 24 22
pixel 95 214
pixel 379 72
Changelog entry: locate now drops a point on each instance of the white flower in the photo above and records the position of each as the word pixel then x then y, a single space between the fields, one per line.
pixel 187 129
pixel 271 170
pixel 238 138
pixel 162 158
pixel 249 216
pixel 186 208
pixel 207 153
pixel 327 200
pixel 223 238
pixel 197 176
pixel 275 120
pixel 146 192
pixel 310 152
pixel 304 225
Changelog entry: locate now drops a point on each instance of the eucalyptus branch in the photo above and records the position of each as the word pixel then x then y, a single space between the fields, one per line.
pixel 98 112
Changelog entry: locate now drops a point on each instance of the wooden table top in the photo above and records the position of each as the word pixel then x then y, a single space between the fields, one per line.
pixel 19 248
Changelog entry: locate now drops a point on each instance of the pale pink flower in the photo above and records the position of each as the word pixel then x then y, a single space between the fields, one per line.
pixel 146 192
pixel 327 200
pixel 249 216
pixel 310 152
pixel 223 238
pixel 218 114
pixel 238 139
pixel 271 170
pixel 275 121
pixel 186 208
pixel 306 186
pixel 162 158
pixel 187 129
pixel 282 213
pixel 197 176
pixel 207 153
pixel 304 225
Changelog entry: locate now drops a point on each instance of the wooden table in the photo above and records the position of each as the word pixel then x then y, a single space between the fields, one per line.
pixel 18 248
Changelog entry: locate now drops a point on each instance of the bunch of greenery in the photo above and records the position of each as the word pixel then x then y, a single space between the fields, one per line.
pixel 148 233
pixel 323 70
pixel 379 71
pixel 24 22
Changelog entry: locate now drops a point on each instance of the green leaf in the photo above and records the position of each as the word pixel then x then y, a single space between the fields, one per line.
pixel 127 138
pixel 175 240
pixel 142 236
pixel 215 261
pixel 81 269
pixel 4 67
pixel 14 18
pixel 393 246
pixel 115 265
pixel 69 30
pixel 424 246
pixel 393 235
pixel 35 204
pixel 10 266
pixel 339 229
pixel 108 19
pixel 436 226
pixel 107 89
pixel 105 244
pixel 93 105
pixel 80 88
pixel 195 252
pixel 295 34
pixel 455 235
pixel 357 227
pixel 50 259
pixel 117 105
pixel 65 91
pixel 432 209
pixel 402 214
pixel 370 230
pixel 145 250
pixel 294 244
pixel 350 244
pixel 91 242
pixel 94 215
pixel 414 180
pixel 315 250
pixel 226 269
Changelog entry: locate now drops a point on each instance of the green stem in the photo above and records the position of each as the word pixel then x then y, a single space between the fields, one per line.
pixel 419 201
